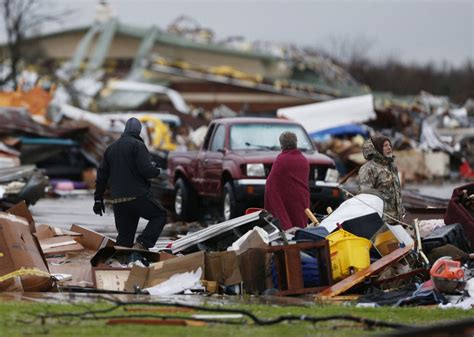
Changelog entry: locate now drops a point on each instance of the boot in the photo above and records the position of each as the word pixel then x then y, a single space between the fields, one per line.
pixel 139 245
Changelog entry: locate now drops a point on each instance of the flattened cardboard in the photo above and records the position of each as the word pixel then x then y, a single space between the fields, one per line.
pixel 18 249
pixel 163 270
pixel 91 239
pixel 76 264
pixel 21 210
pixel 223 267
pixel 59 245
pixel 46 231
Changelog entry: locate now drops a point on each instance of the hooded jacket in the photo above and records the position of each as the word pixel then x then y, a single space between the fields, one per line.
pixel 379 176
pixel 126 166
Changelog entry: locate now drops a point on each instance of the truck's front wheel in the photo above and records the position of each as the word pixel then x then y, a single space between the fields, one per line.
pixel 230 207
pixel 184 201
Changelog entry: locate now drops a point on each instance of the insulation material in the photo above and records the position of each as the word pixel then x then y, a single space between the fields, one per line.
pixel 326 115
pixel 359 205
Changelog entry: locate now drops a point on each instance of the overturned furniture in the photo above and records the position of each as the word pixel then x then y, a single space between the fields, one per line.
pixel 289 269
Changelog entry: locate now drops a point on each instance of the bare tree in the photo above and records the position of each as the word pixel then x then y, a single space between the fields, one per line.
pixel 21 19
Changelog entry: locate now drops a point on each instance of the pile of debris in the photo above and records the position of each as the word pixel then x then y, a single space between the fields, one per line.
pixel 432 137
pixel 349 252
pixel 46 145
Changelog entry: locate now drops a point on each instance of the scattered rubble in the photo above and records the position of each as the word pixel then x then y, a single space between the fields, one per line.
pixel 252 255
pixel 52 141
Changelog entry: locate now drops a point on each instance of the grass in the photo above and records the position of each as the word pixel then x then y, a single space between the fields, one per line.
pixel 17 318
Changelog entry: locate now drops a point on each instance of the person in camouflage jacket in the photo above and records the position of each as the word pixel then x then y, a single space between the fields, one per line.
pixel 379 176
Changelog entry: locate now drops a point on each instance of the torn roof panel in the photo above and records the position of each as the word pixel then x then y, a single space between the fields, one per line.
pixel 321 116
pixel 19 121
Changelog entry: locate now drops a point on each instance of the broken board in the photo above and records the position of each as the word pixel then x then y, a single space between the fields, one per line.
pixel 361 275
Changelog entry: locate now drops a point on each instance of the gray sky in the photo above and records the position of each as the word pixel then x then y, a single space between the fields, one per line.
pixel 412 30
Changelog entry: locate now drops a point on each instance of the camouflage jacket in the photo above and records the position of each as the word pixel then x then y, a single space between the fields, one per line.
pixel 379 176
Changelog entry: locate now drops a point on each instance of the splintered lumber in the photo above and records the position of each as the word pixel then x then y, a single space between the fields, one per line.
pixel 311 216
pixel 361 275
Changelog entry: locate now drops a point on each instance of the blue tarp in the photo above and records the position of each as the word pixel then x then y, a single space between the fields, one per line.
pixel 48 141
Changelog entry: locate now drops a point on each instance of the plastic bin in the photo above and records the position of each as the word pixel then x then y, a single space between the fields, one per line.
pixel 349 253
pixel 386 242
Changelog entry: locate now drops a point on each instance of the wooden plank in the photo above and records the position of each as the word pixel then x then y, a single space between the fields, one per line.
pixel 293 269
pixel 337 299
pixel 361 275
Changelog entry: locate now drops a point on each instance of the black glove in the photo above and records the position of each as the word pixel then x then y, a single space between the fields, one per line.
pixel 99 207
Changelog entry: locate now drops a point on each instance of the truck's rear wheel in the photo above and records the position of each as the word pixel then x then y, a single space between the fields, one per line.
pixel 230 207
pixel 184 201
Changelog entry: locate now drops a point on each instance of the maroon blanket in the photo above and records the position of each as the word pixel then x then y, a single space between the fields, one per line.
pixel 286 189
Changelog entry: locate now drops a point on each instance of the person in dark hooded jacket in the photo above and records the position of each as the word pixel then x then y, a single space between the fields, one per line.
pixel 379 176
pixel 127 167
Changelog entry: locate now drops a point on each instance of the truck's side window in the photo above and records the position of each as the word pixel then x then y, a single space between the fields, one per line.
pixel 207 139
pixel 218 139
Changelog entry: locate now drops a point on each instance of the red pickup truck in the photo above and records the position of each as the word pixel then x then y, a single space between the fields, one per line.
pixel 231 167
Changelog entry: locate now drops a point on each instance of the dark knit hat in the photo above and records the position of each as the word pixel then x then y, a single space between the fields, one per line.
pixel 378 142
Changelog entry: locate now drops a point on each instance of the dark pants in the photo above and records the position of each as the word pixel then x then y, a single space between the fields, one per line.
pixel 127 215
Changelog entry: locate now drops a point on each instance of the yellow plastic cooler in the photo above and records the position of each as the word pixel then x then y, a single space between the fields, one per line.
pixel 349 253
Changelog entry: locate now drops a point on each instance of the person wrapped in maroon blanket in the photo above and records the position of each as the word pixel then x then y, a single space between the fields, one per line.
pixel 286 189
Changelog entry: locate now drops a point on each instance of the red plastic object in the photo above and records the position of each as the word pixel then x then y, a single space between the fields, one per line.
pixel 466 170
pixel 252 210
pixel 447 269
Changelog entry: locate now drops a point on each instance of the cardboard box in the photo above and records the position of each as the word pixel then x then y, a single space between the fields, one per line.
pixel 59 245
pixel 21 210
pixel 222 267
pixel 54 241
pixel 161 271
pixel 76 264
pixel 112 279
pixel 100 258
pixel 91 239
pixel 253 267
pixel 18 250
pixel 46 231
